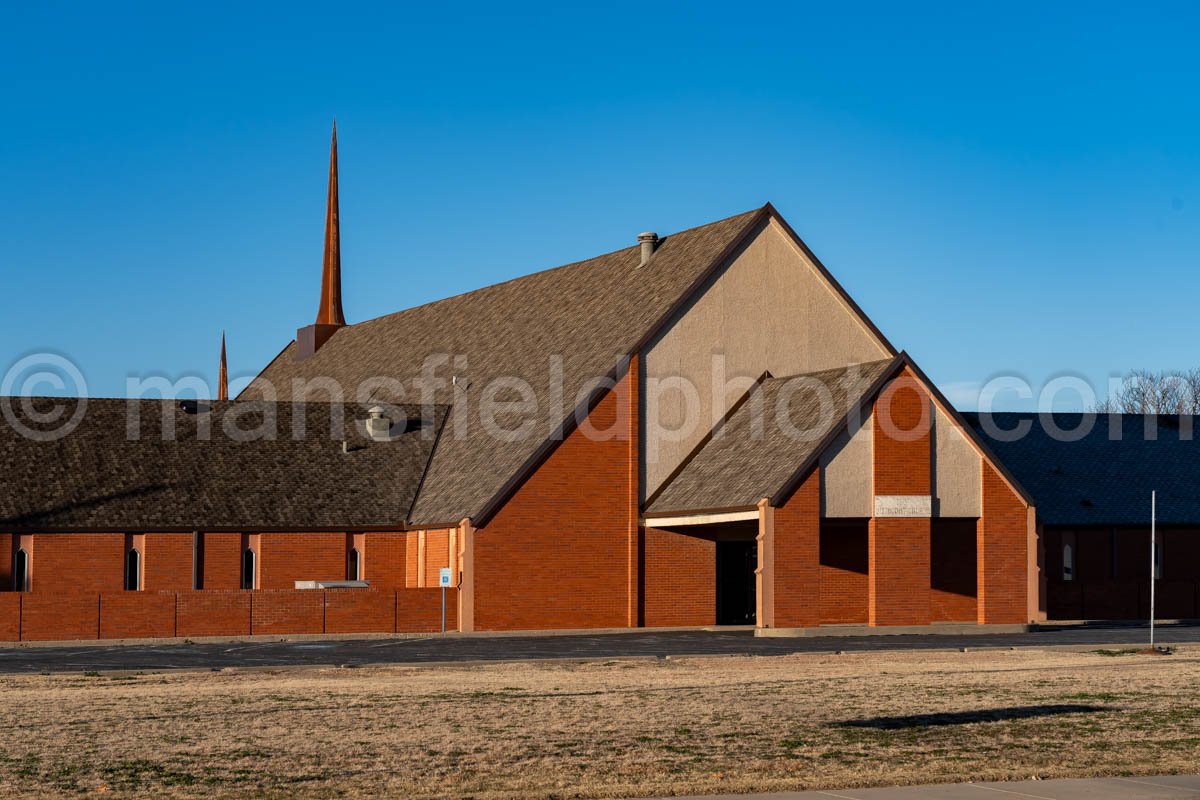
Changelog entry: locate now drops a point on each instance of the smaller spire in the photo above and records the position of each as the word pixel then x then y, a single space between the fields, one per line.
pixel 223 375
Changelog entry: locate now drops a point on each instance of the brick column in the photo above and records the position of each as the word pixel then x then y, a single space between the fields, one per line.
pixel 898 580
pixel 466 576
pixel 1002 547
pixel 628 417
pixel 796 552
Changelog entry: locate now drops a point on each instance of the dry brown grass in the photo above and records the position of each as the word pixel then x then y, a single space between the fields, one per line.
pixel 601 729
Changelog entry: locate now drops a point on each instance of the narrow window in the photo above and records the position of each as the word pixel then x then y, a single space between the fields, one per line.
pixel 197 560
pixel 133 571
pixel 1158 560
pixel 1068 563
pixel 21 571
pixel 353 565
pixel 248 569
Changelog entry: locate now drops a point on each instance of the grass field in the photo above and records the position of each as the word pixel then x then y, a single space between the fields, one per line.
pixel 603 729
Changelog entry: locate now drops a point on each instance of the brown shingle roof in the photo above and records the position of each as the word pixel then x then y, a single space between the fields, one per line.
pixel 781 425
pixel 99 478
pixel 591 314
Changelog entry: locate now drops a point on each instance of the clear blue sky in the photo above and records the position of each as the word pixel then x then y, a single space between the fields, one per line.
pixel 1004 188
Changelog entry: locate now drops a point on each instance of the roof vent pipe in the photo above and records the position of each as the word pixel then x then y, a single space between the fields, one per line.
pixel 379 426
pixel 649 241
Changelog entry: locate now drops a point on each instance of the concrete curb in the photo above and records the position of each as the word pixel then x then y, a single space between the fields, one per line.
pixel 338 637
pixel 937 629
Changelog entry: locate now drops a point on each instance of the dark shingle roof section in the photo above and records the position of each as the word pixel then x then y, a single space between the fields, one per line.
pixel 99 478
pixel 589 314
pixel 778 427
pixel 1106 476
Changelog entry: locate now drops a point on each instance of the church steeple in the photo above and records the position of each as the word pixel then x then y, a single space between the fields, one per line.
pixel 329 314
pixel 223 374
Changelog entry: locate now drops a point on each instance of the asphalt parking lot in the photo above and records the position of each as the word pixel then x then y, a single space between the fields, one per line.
pixel 435 648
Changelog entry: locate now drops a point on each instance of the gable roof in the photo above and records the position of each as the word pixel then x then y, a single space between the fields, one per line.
pixel 591 314
pixel 99 478
pixel 1106 476
pixel 781 425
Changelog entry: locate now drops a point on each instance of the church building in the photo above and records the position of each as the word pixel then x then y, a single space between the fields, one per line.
pixel 702 428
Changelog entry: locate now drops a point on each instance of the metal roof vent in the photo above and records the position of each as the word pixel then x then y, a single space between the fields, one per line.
pixel 379 424
pixel 648 241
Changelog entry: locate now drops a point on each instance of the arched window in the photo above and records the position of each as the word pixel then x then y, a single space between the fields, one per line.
pixel 1068 563
pixel 248 569
pixel 133 571
pixel 21 571
pixel 353 565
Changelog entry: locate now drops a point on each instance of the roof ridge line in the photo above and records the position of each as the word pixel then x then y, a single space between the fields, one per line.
pixel 546 270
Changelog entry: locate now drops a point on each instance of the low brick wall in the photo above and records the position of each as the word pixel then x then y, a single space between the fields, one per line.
pixel 137 615
pixel 221 612
pixel 212 613
pixel 356 611
pixel 420 610
pixel 10 617
pixel 287 611
pixel 46 617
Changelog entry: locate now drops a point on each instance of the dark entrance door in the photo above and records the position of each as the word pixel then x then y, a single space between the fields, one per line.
pixel 736 562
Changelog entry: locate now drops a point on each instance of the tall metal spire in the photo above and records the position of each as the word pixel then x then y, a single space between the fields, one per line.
pixel 330 312
pixel 330 318
pixel 223 375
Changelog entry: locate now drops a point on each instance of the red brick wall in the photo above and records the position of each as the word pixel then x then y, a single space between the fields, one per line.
pixel 8 550
pixel 898 548
pixel 384 559
pixel 167 561
pixel 358 611
pixel 797 557
pixel 844 571
pixel 1181 554
pixel 78 562
pixel 287 611
pixel 420 610
pixel 900 433
pixel 1002 550
pixel 437 555
pixel 411 560
pixel 1110 600
pixel 1172 600
pixel 952 570
pixel 898 572
pixel 1133 553
pixel 285 558
pixel 679 579
pixel 212 613
pixel 1103 589
pixel 222 561
pixel 49 616
pixel 137 615
pixel 557 554
pixel 10 616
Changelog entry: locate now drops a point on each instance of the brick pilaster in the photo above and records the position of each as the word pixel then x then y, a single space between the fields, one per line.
pixel 796 555
pixel 1003 553
pixel 898 578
